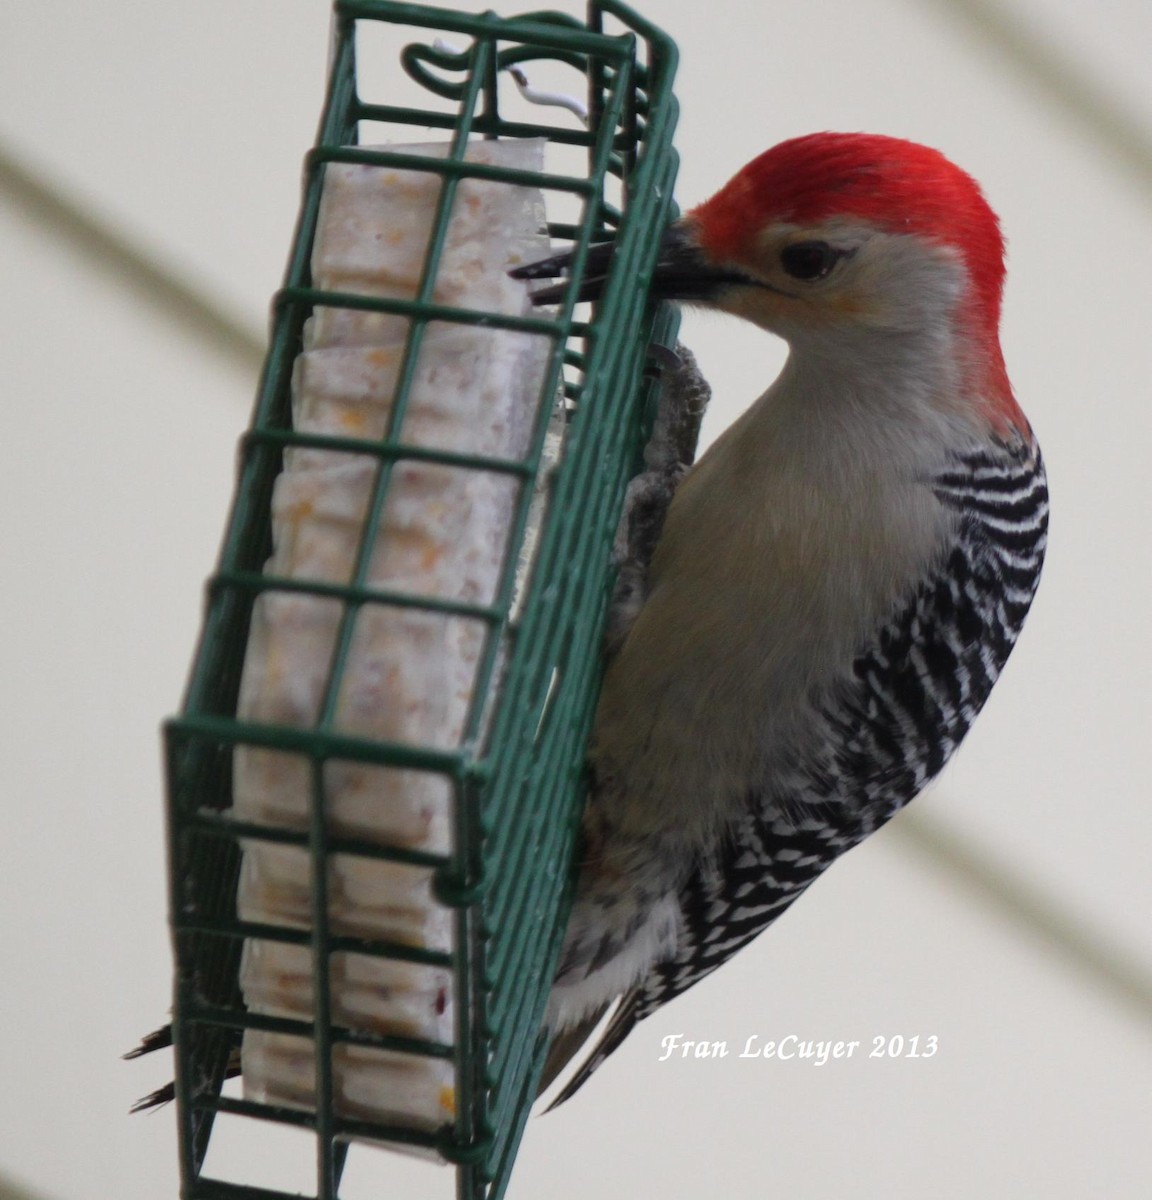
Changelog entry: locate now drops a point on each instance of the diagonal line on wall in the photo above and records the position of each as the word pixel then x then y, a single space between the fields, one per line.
pixel 114 252
pixel 1031 908
pixel 1064 82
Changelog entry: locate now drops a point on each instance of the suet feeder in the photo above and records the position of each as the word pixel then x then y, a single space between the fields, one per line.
pixel 513 778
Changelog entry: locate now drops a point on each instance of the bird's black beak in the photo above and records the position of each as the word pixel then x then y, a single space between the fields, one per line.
pixel 682 271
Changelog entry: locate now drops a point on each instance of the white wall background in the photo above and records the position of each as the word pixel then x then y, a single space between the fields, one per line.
pixel 183 125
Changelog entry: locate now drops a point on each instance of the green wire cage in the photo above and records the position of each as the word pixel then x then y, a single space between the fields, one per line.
pixel 516 775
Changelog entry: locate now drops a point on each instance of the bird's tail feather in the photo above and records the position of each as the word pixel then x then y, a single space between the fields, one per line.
pixel 158 1039
pixel 161 1039
pixel 567 1044
pixel 564 1047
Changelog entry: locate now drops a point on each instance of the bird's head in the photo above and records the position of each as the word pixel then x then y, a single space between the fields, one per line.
pixel 842 237
pixel 832 232
pixel 837 231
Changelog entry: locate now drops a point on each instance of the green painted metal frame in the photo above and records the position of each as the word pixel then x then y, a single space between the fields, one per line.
pixel 518 786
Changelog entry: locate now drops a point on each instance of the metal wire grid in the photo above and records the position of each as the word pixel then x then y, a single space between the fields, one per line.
pixel 517 788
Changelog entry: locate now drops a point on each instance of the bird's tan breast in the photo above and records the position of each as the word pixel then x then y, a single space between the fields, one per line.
pixel 786 548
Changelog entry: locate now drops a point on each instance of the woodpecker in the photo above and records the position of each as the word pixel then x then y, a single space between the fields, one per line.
pixel 838 581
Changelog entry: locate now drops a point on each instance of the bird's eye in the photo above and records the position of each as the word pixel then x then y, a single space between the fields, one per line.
pixel 808 260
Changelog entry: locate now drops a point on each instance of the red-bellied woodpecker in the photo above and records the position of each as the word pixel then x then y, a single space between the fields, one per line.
pixel 839 579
